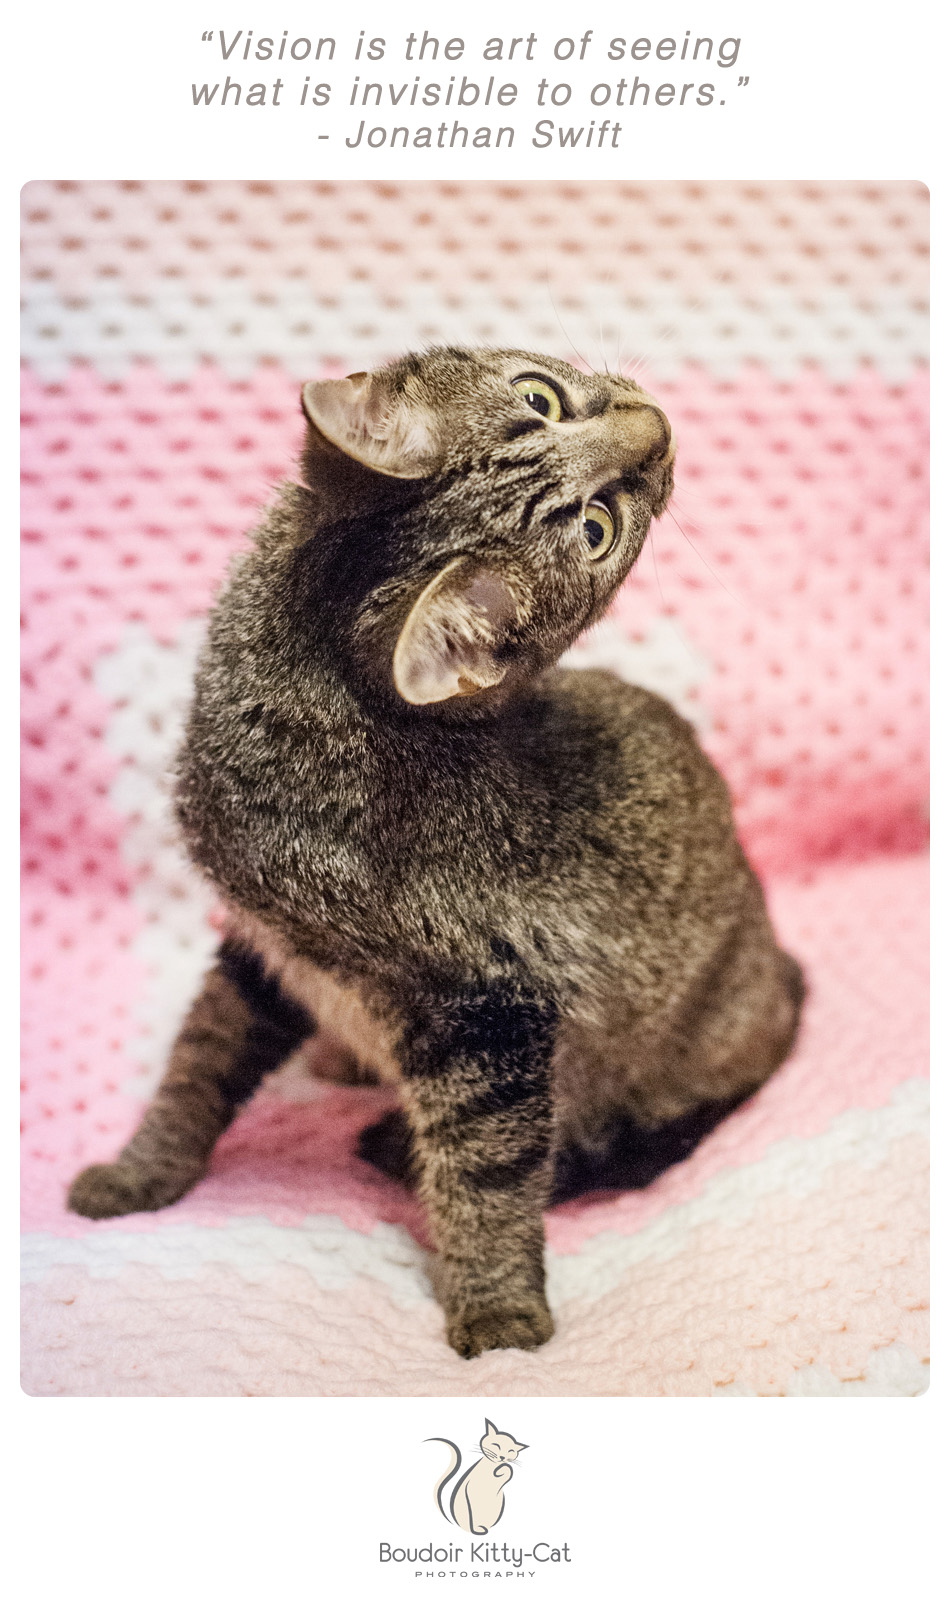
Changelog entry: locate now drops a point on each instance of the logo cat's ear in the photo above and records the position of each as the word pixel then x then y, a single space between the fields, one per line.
pixel 490 1429
pixel 447 647
pixel 392 433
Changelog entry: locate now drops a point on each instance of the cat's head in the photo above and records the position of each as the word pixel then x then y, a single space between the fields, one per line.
pixel 477 510
pixel 498 1447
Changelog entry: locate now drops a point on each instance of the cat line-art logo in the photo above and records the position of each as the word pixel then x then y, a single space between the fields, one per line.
pixel 476 1501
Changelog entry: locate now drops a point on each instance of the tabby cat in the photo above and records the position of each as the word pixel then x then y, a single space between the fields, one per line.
pixel 513 890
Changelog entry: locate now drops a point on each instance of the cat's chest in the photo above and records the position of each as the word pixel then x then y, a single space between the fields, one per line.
pixel 364 858
pixel 353 1015
pixel 488 1479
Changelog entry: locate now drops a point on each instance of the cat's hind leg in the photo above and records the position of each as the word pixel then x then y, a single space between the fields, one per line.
pixel 387 1145
pixel 630 1155
pixel 652 1100
pixel 732 1033
pixel 240 1026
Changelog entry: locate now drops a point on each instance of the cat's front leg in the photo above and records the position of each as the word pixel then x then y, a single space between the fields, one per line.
pixel 240 1026
pixel 478 1083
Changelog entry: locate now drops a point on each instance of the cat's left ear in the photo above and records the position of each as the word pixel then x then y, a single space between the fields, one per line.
pixel 448 645
pixel 490 1429
pixel 393 433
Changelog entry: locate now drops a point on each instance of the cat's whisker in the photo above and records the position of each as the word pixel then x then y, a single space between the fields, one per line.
pixel 603 352
pixel 651 540
pixel 645 359
pixel 682 492
pixel 692 303
pixel 619 346
pixel 631 372
pixel 582 358
pixel 669 609
pixel 711 569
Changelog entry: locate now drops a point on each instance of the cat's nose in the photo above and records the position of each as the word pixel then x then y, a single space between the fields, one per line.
pixel 667 442
pixel 647 434
pixel 632 436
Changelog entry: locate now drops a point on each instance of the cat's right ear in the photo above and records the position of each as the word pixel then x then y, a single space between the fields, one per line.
pixel 448 646
pixel 392 433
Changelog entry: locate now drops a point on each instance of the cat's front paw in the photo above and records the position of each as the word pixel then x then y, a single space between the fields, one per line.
pixel 474 1330
pixel 105 1190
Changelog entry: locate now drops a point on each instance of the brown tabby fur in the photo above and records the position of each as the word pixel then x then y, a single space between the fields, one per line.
pixel 524 902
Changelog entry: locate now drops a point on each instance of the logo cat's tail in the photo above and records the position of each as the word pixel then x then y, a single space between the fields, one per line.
pixel 452 1469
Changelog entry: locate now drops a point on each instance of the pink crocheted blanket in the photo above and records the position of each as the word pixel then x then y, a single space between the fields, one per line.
pixel 782 605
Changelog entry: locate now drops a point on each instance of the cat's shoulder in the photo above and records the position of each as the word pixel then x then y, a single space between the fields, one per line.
pixel 611 708
pixel 607 737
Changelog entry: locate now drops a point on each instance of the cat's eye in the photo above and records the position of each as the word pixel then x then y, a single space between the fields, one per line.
pixel 540 396
pixel 598 530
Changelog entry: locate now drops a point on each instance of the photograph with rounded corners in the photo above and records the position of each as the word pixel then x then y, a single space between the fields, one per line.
pixel 475 790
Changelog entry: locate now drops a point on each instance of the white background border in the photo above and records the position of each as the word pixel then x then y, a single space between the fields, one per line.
pixel 656 1495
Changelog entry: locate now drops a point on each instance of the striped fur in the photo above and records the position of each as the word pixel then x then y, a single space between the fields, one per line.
pixel 477 1066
